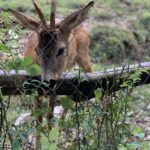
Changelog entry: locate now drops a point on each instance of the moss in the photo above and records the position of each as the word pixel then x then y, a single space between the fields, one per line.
pixel 112 44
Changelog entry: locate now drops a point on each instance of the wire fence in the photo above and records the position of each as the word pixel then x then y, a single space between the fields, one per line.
pixel 90 109
pixel 91 115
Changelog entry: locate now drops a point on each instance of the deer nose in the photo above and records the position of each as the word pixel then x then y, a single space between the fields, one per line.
pixel 46 77
pixel 49 76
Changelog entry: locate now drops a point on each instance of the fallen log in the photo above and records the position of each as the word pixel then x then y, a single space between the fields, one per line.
pixel 79 85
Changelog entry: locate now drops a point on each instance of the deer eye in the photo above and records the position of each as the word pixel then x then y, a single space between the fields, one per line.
pixel 60 51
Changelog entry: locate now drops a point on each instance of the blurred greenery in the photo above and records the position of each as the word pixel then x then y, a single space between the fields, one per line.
pixel 113 44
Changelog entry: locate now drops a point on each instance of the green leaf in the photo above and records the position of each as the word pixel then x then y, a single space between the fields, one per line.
pixel 54 133
pixel 4 48
pixel 140 135
pixel 16 64
pixel 53 146
pixel 136 145
pixel 98 94
pixel 138 132
pixel 124 84
pixel 145 145
pixel 44 142
pixel 66 103
pixel 27 61
pixel 5 14
pixel 121 147
pixel 34 69
pixel 16 144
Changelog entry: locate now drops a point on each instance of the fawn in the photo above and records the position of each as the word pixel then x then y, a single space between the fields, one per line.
pixel 60 45
pixel 57 45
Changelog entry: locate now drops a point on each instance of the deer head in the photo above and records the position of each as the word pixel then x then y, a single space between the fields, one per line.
pixel 53 39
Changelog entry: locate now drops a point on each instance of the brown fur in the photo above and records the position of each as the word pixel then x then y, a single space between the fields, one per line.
pixel 78 49
pixel 46 43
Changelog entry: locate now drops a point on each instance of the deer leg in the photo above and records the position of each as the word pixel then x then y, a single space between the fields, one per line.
pixel 39 119
pixel 50 115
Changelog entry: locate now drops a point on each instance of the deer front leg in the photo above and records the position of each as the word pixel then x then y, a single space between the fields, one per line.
pixel 50 115
pixel 39 119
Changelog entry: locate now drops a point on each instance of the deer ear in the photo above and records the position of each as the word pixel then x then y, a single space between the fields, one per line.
pixel 27 21
pixel 76 18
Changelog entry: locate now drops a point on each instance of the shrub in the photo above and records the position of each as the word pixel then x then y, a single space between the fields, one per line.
pixel 112 44
pixel 145 20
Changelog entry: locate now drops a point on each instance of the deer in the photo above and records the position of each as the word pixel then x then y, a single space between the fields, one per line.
pixel 58 45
